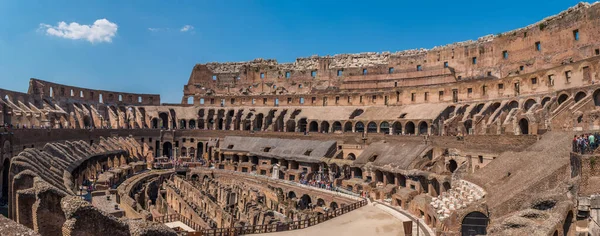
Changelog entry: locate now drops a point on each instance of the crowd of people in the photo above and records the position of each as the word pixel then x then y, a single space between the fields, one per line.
pixel 585 143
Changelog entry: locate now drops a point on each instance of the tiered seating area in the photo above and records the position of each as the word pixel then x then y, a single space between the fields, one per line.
pixel 460 196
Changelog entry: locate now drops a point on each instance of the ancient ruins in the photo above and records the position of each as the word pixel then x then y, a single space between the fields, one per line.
pixel 471 138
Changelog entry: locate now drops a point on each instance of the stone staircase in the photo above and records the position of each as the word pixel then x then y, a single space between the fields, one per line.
pixel 460 196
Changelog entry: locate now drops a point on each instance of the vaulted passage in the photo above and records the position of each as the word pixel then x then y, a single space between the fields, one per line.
pixel 475 223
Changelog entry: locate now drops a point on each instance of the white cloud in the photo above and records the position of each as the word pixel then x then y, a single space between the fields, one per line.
pixel 101 31
pixel 154 29
pixel 186 28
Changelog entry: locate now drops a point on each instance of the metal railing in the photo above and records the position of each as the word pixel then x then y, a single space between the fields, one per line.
pixel 177 217
pixel 294 225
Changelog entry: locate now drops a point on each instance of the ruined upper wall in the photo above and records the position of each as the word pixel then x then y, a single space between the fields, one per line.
pixel 60 92
pixel 566 37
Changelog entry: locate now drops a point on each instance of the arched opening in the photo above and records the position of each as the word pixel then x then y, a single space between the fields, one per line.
pixel 423 128
pixel 545 100
pixel 192 124
pixel 468 126
pixel 524 125
pixel 199 150
pixel 474 223
pixel 5 182
pixel 351 156
pixel 357 172
pixel 167 149
pixel 291 195
pixel 304 202
pixel 452 165
pixel 378 176
pixel 173 119
pixel 596 95
pixel 183 152
pixel 512 105
pixel 562 98
pixel 528 104
pixel 337 126
pixel 291 126
pixel 333 205
pixel 220 124
pixel 410 128
pixel 302 125
pixel 258 125
pixel 164 120
pixel 567 224
pixel 320 202
pixel 313 127
pixel 324 127
pixel 348 127
pixel 182 124
pixel 384 127
pixel 87 123
pixel 397 128
pixel 371 127
pixel 579 96
pixel 359 127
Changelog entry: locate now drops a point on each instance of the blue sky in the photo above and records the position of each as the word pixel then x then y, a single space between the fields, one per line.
pixel 150 53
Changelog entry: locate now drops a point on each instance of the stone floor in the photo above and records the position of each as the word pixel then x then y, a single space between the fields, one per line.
pixel 367 220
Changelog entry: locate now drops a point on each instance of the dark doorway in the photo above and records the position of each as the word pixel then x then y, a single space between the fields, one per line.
pixel 167 149
pixel 475 223
pixel 524 125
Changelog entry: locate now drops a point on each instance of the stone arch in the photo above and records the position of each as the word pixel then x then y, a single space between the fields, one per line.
pixel 163 120
pixel 545 100
pixel 524 126
pixel 324 127
pixel 258 125
pixel 348 126
pixel 87 122
pixel 192 124
pixel 291 195
pixel 452 166
pixel 468 125
pixel 529 103
pixel 562 98
pixel 305 202
pixel 596 97
pixel 423 128
pixel 409 127
pixel 167 149
pixel 384 127
pixel 378 176
pixel 580 95
pixel 371 127
pixel 199 149
pixel 333 205
pixel 182 124
pixel 512 105
pixel 313 127
pixel 183 152
pixel 320 202
pixel 337 126
pixel 567 224
pixel 359 127
pixel 302 123
pixel 474 223
pixel 351 156
pixel 291 126
pixel 397 128
pixel 5 177
pixel 154 122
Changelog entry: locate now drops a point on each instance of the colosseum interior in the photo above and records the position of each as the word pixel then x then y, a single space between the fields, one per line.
pixel 471 138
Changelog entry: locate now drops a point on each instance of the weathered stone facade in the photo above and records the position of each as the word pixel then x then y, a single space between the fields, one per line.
pixel 472 137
